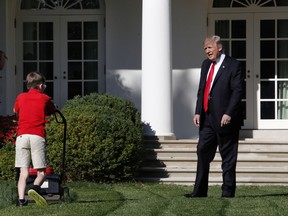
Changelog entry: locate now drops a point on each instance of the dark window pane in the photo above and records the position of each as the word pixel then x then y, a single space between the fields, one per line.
pixel 282 89
pixel 282 2
pixel 90 87
pixel 91 50
pixel 267 28
pixel 29 51
pixel 90 30
pixel 74 88
pixel 222 28
pixel 267 69
pixel 226 47
pixel 267 110
pixel 282 28
pixel 74 31
pixel 46 68
pixel 238 29
pixel 75 70
pixel 74 51
pixel 29 4
pixel 267 49
pixel 29 31
pixel 267 90
pixel 49 89
pixel 282 69
pixel 282 49
pixel 239 49
pixel 46 51
pixel 221 3
pixel 46 31
pixel 29 67
pixel 90 4
pixel 91 70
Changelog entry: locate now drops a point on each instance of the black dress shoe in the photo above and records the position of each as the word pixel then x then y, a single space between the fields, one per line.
pixel 194 195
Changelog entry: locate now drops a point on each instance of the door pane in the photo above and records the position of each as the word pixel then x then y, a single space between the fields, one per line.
pixel 29 51
pixel 74 50
pixel 239 49
pixel 282 30
pixel 74 88
pixel 282 46
pixel 267 110
pixel 282 90
pixel 74 31
pixel 267 28
pixel 91 50
pixel 46 69
pixel 282 108
pixel 46 31
pixel 75 70
pixel 267 90
pixel 267 69
pixel 90 87
pixel 46 50
pixel 90 70
pixel 267 49
pixel 29 31
pixel 90 30
pixel 238 29
pixel 282 69
pixel 222 28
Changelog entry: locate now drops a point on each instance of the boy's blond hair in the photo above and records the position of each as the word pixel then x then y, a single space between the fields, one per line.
pixel 34 79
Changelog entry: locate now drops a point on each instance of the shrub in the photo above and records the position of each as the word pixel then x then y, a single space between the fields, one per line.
pixel 8 125
pixel 104 139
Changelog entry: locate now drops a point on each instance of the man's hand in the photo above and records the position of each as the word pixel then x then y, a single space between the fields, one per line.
pixel 196 120
pixel 225 120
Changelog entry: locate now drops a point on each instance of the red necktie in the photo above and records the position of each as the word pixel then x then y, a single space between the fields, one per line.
pixel 207 86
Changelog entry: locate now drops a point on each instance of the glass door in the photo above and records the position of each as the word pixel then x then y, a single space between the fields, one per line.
pixel 236 32
pixel 68 50
pixel 271 44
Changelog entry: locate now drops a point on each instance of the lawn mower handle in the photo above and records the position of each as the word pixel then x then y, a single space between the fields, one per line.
pixel 56 114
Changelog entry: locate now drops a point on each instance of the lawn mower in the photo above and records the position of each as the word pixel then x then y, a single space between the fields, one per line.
pixel 52 187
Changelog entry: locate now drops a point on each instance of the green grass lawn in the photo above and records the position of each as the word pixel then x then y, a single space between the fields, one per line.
pixel 152 199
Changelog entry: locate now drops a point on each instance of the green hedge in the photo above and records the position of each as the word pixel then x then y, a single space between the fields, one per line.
pixel 104 139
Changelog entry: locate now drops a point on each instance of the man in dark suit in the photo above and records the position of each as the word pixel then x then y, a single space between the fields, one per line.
pixel 219 117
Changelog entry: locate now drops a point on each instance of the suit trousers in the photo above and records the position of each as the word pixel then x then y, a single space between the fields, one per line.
pixel 209 139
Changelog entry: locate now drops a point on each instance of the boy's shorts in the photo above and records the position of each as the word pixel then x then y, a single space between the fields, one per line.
pixel 29 147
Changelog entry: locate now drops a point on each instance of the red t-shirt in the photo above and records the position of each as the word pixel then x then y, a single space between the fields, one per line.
pixel 33 107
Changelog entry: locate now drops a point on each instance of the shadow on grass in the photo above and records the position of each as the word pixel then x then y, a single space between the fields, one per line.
pixel 100 201
pixel 263 195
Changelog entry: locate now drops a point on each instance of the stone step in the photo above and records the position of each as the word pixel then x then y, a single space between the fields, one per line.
pixel 260 161
pixel 184 156
pixel 275 180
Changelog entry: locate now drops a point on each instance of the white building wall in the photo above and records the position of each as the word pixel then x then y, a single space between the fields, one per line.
pixel 123 56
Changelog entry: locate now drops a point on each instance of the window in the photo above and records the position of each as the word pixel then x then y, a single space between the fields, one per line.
pixel 248 3
pixel 56 4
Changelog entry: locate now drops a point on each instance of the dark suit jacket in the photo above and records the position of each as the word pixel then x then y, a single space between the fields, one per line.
pixel 225 95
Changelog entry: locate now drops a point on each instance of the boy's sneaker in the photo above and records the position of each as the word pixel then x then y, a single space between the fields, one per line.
pixel 21 203
pixel 35 193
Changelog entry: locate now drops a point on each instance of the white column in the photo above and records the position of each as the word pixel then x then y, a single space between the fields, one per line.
pixel 156 110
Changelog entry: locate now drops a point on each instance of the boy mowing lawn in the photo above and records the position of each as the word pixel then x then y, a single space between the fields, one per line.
pixel 32 107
